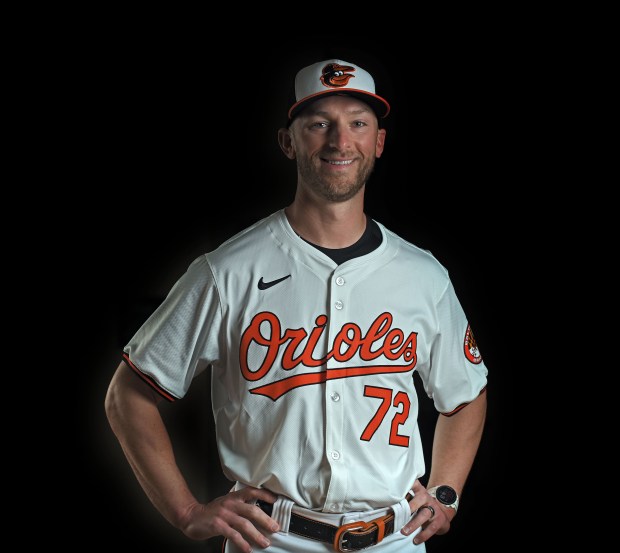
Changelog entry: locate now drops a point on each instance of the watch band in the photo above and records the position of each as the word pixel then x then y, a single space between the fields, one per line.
pixel 446 495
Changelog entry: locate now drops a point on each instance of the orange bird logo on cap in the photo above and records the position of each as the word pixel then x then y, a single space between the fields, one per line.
pixel 335 76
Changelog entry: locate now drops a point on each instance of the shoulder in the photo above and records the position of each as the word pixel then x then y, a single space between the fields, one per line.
pixel 248 239
pixel 415 258
pixel 230 251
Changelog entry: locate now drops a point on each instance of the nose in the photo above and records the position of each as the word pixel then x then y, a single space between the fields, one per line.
pixel 339 136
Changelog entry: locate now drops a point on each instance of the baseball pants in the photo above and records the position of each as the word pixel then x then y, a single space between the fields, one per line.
pixel 285 542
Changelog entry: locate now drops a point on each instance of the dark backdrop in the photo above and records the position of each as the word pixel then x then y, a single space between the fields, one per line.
pixel 186 155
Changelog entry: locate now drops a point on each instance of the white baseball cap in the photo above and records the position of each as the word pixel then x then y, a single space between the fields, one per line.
pixel 336 77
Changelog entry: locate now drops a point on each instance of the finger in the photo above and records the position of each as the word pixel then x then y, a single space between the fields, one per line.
pixel 420 497
pixel 248 532
pixel 237 510
pixel 260 518
pixel 427 531
pixel 248 509
pixel 250 495
pixel 240 543
pixel 242 522
pixel 430 509
pixel 420 517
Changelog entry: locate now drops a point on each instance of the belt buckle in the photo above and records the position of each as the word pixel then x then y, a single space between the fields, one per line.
pixel 341 533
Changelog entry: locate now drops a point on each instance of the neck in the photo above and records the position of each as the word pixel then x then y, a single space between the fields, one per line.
pixel 330 225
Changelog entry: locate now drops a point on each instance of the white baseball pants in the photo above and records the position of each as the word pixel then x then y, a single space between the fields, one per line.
pixel 285 542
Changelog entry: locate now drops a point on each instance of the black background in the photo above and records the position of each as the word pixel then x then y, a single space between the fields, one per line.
pixel 184 154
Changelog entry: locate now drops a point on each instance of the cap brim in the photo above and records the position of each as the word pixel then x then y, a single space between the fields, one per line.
pixel 378 104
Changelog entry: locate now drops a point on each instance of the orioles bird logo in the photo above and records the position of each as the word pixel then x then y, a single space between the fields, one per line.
pixel 472 353
pixel 335 75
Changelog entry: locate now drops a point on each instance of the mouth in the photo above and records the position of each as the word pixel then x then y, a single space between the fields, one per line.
pixel 337 162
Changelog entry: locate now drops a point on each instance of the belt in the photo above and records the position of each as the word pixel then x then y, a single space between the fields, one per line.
pixel 349 537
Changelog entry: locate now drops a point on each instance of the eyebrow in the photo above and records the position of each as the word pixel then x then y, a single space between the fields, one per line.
pixel 348 112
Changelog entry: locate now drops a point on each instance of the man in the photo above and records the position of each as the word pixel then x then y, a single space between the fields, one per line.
pixel 312 323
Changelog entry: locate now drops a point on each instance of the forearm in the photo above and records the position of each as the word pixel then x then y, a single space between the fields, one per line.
pixel 456 443
pixel 135 419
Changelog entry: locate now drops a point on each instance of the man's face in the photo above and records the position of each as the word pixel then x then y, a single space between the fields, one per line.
pixel 336 141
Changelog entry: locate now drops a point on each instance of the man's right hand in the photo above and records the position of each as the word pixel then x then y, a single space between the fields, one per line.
pixel 233 516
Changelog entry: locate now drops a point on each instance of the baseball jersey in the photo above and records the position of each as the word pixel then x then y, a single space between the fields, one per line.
pixel 312 362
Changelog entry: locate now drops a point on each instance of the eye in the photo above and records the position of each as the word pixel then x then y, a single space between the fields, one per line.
pixel 360 124
pixel 319 125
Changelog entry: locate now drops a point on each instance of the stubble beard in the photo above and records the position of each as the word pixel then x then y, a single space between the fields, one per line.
pixel 336 188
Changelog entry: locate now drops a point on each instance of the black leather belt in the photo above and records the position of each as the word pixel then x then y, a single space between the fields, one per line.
pixel 350 537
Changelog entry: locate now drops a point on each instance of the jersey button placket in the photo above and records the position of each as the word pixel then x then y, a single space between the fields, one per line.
pixel 338 304
pixel 335 395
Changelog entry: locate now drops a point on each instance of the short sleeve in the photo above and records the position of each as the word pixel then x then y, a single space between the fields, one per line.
pixel 456 374
pixel 179 340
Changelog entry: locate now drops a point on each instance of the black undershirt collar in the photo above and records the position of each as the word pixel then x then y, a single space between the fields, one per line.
pixel 369 241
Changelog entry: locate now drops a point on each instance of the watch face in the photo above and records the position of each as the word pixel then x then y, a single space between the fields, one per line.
pixel 446 495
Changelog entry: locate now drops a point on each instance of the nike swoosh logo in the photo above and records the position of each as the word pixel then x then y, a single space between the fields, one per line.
pixel 264 285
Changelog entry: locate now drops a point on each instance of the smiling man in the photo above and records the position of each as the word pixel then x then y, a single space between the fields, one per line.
pixel 312 323
pixel 335 142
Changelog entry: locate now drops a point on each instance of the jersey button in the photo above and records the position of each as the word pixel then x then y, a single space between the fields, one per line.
pixel 338 305
pixel 335 455
pixel 335 396
pixel 340 281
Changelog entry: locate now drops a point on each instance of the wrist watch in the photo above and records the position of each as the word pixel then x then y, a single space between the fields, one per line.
pixel 446 496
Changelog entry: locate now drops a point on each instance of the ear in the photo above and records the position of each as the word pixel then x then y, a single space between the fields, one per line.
pixel 285 140
pixel 380 142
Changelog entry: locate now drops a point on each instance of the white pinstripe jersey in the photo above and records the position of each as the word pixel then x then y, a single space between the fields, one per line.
pixel 312 362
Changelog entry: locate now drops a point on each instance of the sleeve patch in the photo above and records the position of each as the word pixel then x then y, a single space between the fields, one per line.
pixel 470 348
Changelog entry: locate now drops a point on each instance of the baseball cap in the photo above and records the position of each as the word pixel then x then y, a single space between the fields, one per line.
pixel 336 77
